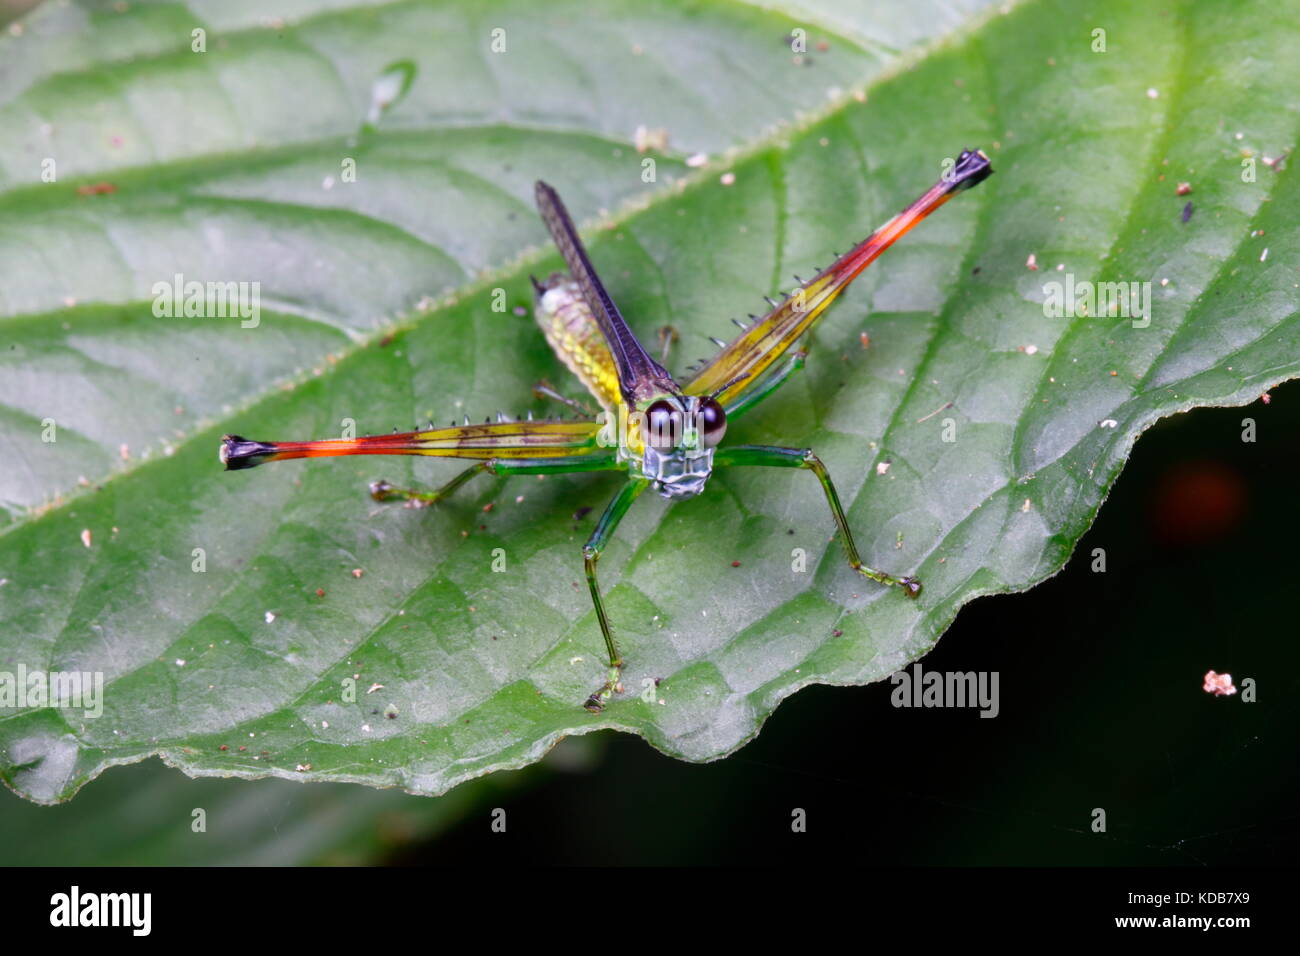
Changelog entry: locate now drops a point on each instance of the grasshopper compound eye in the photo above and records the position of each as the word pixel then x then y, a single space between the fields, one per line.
pixel 713 422
pixel 663 422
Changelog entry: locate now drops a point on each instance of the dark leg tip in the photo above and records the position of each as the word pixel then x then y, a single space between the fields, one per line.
pixel 911 587
pixel 237 452
pixel 381 490
pixel 594 704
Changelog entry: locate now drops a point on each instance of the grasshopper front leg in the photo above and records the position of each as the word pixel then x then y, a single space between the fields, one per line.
pixel 590 555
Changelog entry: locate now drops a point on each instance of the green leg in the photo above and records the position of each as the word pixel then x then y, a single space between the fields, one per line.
pixel 591 554
pixel 770 384
pixel 383 491
pixel 804 458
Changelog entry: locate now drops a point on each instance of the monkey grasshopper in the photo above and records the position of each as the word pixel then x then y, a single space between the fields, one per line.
pixel 667 437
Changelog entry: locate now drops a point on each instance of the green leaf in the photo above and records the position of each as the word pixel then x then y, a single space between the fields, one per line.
pixel 232 165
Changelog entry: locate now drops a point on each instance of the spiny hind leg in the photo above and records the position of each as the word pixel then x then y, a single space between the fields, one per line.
pixel 383 491
pixel 771 381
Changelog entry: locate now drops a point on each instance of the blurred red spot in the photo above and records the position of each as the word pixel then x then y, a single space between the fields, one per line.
pixel 1197 502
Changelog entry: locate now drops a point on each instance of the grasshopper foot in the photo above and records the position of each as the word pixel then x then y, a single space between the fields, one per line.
pixel 597 701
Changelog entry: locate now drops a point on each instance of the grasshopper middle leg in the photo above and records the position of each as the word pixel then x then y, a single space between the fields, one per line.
pixel 804 458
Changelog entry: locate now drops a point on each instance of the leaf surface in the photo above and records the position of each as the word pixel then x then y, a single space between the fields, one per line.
pixel 972 442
